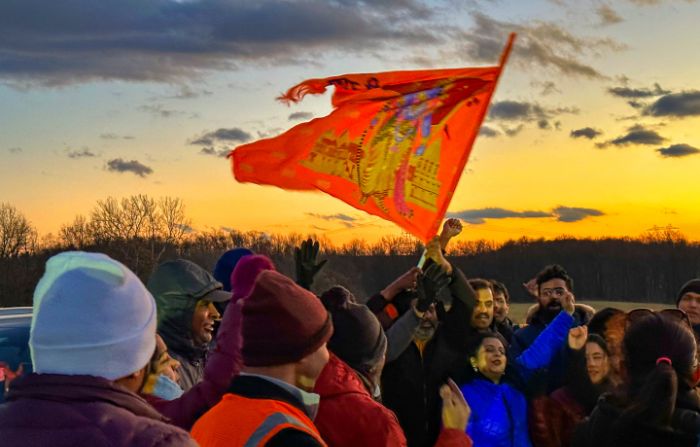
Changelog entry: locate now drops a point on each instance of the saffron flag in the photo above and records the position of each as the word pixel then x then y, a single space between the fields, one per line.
pixel 395 144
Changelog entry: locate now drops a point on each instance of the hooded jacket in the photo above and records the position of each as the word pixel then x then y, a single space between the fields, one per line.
pixel 58 410
pixel 222 365
pixel 176 298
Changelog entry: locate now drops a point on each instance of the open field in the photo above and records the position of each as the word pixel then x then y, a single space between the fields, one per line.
pixel 519 310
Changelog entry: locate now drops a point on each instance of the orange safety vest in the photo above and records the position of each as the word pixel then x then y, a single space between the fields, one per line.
pixel 239 421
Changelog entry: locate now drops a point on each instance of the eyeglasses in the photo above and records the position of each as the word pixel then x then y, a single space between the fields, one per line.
pixel 556 292
pixel 676 315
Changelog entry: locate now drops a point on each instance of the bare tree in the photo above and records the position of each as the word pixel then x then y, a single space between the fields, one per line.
pixel 78 234
pixel 16 233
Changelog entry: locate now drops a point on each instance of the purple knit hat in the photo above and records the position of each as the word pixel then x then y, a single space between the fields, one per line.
pixel 246 272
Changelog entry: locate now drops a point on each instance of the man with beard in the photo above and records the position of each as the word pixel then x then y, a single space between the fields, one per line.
pixel 501 305
pixel 411 382
pixel 482 316
pixel 553 285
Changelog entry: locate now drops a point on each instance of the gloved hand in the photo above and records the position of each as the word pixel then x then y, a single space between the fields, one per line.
pixel 429 284
pixel 306 265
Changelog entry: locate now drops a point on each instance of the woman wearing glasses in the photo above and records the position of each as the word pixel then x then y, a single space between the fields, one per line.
pixel 657 404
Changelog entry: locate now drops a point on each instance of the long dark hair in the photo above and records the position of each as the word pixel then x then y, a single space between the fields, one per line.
pixel 659 353
pixel 579 383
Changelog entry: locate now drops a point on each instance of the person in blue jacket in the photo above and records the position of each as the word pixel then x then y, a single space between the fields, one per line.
pixel 499 408
pixel 553 287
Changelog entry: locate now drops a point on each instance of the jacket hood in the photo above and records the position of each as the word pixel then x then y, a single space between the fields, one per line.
pixel 337 378
pixel 177 286
pixel 77 389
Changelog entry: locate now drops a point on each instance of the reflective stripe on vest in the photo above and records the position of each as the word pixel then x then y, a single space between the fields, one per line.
pixel 238 421
pixel 271 426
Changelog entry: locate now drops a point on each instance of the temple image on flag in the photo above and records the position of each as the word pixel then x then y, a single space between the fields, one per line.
pixel 395 144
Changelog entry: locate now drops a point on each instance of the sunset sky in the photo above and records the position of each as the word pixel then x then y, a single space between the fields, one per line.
pixel 594 129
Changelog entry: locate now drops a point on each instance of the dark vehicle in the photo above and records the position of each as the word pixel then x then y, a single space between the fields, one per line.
pixel 14 345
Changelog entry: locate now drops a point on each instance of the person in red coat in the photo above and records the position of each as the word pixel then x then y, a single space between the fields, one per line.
pixel 350 412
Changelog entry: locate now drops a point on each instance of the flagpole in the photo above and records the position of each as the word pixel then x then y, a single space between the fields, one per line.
pixel 506 50
pixel 504 58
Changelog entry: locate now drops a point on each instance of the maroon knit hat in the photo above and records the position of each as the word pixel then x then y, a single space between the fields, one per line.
pixel 246 272
pixel 282 322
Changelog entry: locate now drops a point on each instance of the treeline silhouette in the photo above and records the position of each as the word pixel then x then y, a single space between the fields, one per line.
pixel 142 232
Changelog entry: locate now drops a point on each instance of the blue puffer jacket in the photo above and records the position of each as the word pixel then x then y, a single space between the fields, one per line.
pixel 499 410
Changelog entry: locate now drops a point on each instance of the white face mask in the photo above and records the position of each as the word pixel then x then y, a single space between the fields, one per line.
pixel 166 388
pixel 377 394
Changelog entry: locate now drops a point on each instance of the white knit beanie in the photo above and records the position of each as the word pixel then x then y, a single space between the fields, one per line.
pixel 92 316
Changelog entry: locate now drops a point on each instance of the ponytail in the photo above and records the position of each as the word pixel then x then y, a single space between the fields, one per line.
pixel 654 400
pixel 659 355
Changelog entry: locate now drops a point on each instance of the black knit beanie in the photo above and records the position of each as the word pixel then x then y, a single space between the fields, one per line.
pixel 358 338
pixel 691 286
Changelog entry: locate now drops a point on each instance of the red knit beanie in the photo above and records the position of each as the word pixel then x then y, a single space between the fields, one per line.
pixel 282 322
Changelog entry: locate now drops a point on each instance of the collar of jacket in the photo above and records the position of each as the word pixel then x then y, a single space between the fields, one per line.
pixel 254 386
pixel 80 389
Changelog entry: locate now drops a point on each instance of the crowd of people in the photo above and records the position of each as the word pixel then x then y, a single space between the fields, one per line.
pixel 246 356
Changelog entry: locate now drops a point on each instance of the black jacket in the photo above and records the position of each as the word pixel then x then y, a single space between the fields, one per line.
pixel 552 378
pixel 411 383
pixel 602 430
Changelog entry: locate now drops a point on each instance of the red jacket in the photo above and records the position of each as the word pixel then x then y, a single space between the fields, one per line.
pixel 348 416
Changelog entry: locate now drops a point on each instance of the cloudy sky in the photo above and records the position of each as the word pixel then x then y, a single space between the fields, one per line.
pixel 594 129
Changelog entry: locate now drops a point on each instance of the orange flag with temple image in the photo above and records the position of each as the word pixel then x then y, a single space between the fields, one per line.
pixel 395 144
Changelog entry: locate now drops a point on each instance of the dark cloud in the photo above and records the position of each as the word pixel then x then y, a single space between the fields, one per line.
pixel 607 15
pixel 568 214
pixel 339 216
pixel 561 213
pixel 57 43
pixel 677 151
pixel 627 92
pixel 233 134
pixel 635 135
pixel 548 87
pixel 636 104
pixel 479 216
pixel 159 110
pixel 133 166
pixel 300 116
pixel 187 92
pixel 586 132
pixel 488 132
pixel 540 44
pixel 222 153
pixel 676 104
pixel 113 136
pixel 525 111
pixel 15 150
pixel 513 131
pixel 82 153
